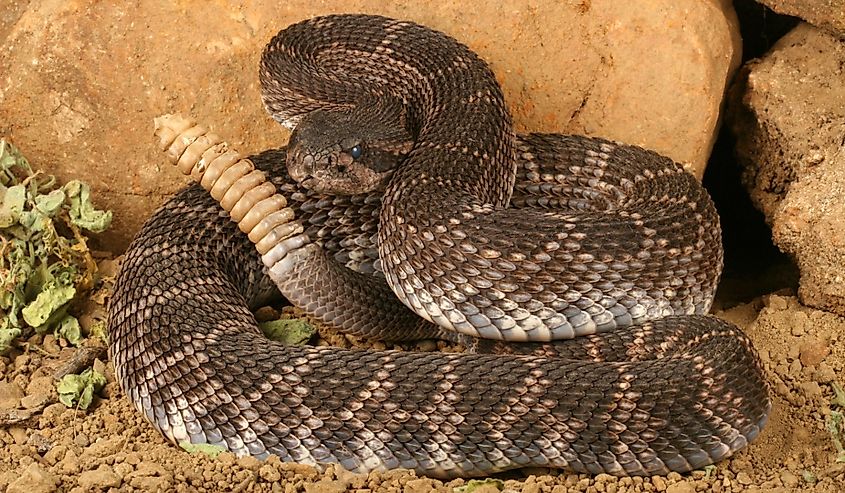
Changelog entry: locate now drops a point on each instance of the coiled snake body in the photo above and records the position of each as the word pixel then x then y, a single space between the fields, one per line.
pixel 406 178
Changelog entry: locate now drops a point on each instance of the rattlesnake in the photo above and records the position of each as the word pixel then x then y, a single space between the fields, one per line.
pixel 403 171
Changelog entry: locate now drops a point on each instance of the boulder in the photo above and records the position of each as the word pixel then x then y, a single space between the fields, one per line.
pixel 83 80
pixel 787 112
pixel 826 14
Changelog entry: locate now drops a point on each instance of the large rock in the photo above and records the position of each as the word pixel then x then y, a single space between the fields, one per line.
pixel 826 14
pixel 83 80
pixel 788 115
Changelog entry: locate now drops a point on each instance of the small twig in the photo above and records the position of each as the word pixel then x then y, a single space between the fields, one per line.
pixel 17 416
pixel 81 359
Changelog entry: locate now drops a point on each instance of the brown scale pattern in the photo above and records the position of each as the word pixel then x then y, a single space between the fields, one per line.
pixel 444 234
pixel 599 234
pixel 187 351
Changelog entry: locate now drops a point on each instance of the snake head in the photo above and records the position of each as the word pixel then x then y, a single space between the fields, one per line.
pixel 346 152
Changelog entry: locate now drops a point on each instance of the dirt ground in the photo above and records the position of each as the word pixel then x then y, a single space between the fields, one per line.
pixel 111 447
pixel 47 446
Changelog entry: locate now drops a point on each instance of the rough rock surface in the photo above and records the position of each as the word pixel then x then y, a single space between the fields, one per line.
pixel 82 80
pixel 788 114
pixel 827 14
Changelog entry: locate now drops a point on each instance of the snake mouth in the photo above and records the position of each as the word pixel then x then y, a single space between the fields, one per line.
pixel 330 173
pixel 300 165
pixel 311 184
pixel 345 180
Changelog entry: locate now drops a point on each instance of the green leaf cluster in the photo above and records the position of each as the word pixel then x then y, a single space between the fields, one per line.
pixel 477 484
pixel 203 448
pixel 45 261
pixel 290 332
pixel 79 390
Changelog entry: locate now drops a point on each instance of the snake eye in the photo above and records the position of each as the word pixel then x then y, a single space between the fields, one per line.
pixel 356 151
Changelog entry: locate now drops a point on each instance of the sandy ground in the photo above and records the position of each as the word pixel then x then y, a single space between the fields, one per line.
pixel 111 446
pixel 48 446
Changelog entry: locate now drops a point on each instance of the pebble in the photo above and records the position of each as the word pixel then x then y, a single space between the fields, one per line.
pixel 21 361
pixel 795 367
pixel 775 302
pixel 82 439
pixel 327 486
pixel 531 488
pixel 811 390
pixel 227 459
pixel 812 351
pixel 10 395
pixel 122 469
pixel 744 478
pixel 427 345
pixel 269 473
pixel 21 380
pixel 40 385
pixel 53 411
pixel 100 367
pixel 681 488
pixel 789 479
pixel 16 451
pixel 39 442
pixel 102 478
pixel 659 483
pixel 111 422
pixel 55 454
pixel 266 314
pixel 33 401
pixel 249 462
pixel 799 321
pixel 824 373
pixel 104 447
pixel 70 463
pixel 35 479
pixel 781 389
pixel 18 434
pixel 50 344
pixel 108 267
pixel 421 485
pixel 150 483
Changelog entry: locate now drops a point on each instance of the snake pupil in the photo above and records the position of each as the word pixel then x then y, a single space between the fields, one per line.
pixel 356 151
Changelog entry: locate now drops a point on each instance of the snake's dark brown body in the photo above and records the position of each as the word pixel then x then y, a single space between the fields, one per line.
pixel 533 238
